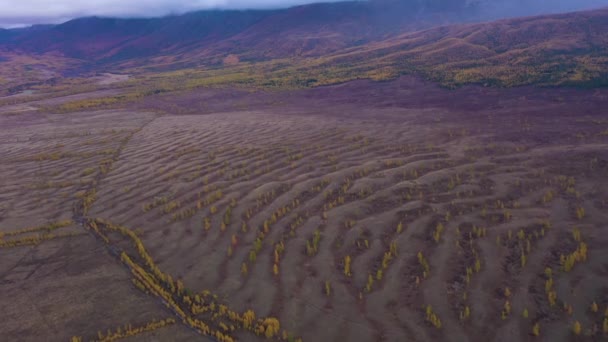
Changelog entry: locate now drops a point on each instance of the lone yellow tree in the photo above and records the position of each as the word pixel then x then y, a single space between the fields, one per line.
pixel 536 329
pixel 327 288
pixel 577 328
pixel 347 261
pixel 594 307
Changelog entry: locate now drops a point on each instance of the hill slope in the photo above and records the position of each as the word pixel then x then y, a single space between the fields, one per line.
pixel 322 44
pixel 563 49
pixel 311 30
pixel 557 49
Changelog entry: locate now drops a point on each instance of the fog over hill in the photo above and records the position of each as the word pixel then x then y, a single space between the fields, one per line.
pixel 31 12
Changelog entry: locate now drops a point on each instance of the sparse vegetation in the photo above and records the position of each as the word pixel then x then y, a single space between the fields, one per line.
pixel 330 217
pixel 432 318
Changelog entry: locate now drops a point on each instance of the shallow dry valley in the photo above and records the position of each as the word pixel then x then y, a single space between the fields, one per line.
pixel 390 211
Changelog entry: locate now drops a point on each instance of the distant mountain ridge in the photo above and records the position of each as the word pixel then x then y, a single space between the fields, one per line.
pixel 325 43
pixel 310 30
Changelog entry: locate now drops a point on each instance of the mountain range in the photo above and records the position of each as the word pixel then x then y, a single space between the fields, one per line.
pixel 310 30
pixel 333 42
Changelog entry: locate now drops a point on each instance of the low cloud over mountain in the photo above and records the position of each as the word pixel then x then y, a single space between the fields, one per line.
pixel 28 12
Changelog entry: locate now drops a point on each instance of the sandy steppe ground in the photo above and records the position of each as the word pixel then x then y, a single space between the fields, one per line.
pixel 361 212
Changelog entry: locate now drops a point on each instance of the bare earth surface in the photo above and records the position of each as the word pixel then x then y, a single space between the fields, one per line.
pixel 393 211
pixel 107 78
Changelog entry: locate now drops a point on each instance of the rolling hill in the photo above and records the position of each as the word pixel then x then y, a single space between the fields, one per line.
pixel 322 44
pixel 557 49
pixel 309 30
pixel 553 50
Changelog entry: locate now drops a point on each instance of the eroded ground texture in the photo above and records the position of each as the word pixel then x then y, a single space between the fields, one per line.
pixel 392 211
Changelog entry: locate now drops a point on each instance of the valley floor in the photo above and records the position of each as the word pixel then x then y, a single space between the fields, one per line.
pixel 364 211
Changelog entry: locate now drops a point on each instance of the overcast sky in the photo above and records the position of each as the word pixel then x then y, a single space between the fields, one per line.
pixel 16 13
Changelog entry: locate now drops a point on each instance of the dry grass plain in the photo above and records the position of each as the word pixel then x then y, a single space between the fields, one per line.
pixel 393 211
